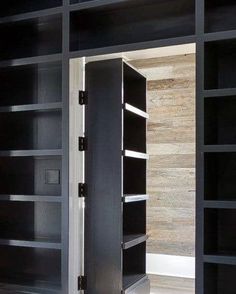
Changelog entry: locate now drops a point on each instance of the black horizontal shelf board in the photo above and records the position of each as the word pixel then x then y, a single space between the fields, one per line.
pixel 11 286
pixel 134 110
pixel 40 243
pixel 135 197
pixel 31 107
pixel 132 281
pixel 220 204
pixel 18 153
pixel 134 154
pixel 30 198
pixel 219 148
pixel 30 15
pixel 131 240
pixel 133 46
pixel 220 92
pixel 220 259
pixel 217 36
pixel 31 60
pixel 94 4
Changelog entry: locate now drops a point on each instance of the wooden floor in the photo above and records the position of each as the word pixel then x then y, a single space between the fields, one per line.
pixel 171 285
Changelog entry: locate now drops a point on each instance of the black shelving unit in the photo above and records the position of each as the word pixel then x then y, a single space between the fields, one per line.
pixel 216 152
pixel 115 222
pixel 33 196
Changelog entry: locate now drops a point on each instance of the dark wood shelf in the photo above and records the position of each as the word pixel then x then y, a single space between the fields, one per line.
pixel 218 36
pixel 10 287
pixel 94 3
pixel 224 204
pixel 30 198
pixel 219 148
pixel 135 198
pixel 31 107
pixel 30 15
pixel 31 60
pixel 219 93
pixel 135 110
pixel 133 240
pixel 132 281
pixel 134 154
pixel 41 243
pixel 26 153
pixel 220 259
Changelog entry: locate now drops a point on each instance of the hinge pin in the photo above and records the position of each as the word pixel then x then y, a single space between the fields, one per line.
pixel 83 97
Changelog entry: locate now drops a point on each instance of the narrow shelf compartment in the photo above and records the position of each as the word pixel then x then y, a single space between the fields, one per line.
pixel 219 237
pixel 39 176
pixel 220 173
pixel 135 110
pixel 32 37
pixel 39 84
pixel 134 133
pixel 38 224
pixel 134 218
pixel 13 7
pixel 134 176
pixel 30 267
pixel 220 61
pixel 134 198
pixel 41 130
pixel 220 15
pixel 133 240
pixel 134 266
pixel 131 22
pixel 135 88
pixel 219 278
pixel 220 120
pixel 134 154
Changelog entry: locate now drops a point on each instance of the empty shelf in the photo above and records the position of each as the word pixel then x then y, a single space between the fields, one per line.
pixel 25 153
pixel 220 148
pixel 15 288
pixel 134 154
pixel 30 198
pixel 220 204
pixel 132 281
pixel 134 198
pixel 136 110
pixel 220 92
pixel 41 243
pixel 31 60
pixel 30 15
pixel 32 107
pixel 220 259
pixel 133 240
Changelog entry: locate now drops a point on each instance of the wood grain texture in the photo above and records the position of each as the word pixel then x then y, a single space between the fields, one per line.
pixel 171 145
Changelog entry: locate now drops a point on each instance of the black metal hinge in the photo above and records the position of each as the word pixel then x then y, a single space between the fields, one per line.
pixel 82 190
pixel 83 97
pixel 82 283
pixel 83 144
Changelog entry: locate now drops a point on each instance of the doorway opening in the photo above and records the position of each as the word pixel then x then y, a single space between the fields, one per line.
pixel 171 93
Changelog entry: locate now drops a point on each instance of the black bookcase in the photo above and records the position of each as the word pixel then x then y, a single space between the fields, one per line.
pixel 216 168
pixel 115 222
pixel 33 247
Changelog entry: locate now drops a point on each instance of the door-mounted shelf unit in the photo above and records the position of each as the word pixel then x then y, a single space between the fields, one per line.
pixel 116 200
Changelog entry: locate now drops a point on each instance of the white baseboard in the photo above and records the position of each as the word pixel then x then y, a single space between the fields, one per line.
pixel 171 265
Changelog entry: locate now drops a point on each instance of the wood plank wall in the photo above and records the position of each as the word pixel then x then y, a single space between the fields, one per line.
pixel 171 145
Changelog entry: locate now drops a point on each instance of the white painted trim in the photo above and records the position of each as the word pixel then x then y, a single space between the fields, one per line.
pixel 171 265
